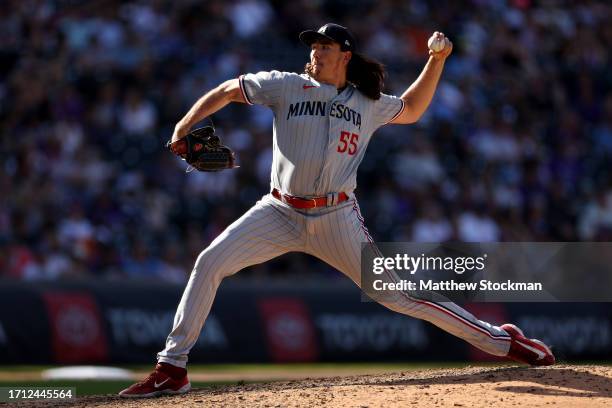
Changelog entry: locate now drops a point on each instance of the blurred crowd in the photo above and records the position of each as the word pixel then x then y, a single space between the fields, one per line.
pixel 515 146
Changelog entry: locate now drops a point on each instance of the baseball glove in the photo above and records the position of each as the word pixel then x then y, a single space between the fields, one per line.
pixel 203 151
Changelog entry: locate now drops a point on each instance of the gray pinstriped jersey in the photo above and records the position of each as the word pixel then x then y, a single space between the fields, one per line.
pixel 320 136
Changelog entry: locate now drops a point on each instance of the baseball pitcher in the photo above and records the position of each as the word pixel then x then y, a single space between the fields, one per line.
pixel 323 121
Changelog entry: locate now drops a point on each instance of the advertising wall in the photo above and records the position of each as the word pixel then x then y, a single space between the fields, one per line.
pixel 76 323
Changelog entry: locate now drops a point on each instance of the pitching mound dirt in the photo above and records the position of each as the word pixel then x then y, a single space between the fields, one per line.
pixel 560 386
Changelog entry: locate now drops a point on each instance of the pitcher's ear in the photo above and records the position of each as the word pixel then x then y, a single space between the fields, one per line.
pixel 347 56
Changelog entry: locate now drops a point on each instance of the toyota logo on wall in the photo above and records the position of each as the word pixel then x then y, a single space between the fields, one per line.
pixel 289 329
pixel 77 326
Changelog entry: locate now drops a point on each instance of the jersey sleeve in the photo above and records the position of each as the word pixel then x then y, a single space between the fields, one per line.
pixel 386 109
pixel 262 88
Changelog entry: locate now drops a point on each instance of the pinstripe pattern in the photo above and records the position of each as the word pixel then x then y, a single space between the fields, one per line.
pixel 334 235
pixel 266 231
pixel 337 241
pixel 305 160
pixel 309 118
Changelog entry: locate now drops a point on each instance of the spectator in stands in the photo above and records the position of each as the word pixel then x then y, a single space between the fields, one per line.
pixel 522 122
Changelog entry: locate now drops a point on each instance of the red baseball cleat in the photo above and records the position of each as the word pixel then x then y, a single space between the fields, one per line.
pixel 528 351
pixel 156 384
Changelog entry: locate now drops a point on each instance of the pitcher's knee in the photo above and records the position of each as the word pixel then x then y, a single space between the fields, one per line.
pixel 211 266
pixel 405 306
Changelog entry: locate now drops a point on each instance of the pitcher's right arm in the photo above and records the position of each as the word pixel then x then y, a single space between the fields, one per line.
pixel 211 102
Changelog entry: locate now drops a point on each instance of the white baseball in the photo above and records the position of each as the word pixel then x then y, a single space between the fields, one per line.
pixel 436 43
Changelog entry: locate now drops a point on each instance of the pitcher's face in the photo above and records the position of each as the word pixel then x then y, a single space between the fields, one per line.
pixel 328 61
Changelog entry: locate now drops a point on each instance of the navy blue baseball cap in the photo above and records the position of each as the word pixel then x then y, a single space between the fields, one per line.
pixel 330 31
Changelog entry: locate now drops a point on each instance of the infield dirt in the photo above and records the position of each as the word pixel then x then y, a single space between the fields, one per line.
pixel 558 386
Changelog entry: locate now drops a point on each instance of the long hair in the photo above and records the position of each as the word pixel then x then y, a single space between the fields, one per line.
pixel 365 73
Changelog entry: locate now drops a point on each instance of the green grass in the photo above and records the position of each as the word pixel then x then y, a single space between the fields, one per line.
pixel 101 387
pixel 312 366
pixel 88 387
pixel 260 366
pixel 221 368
